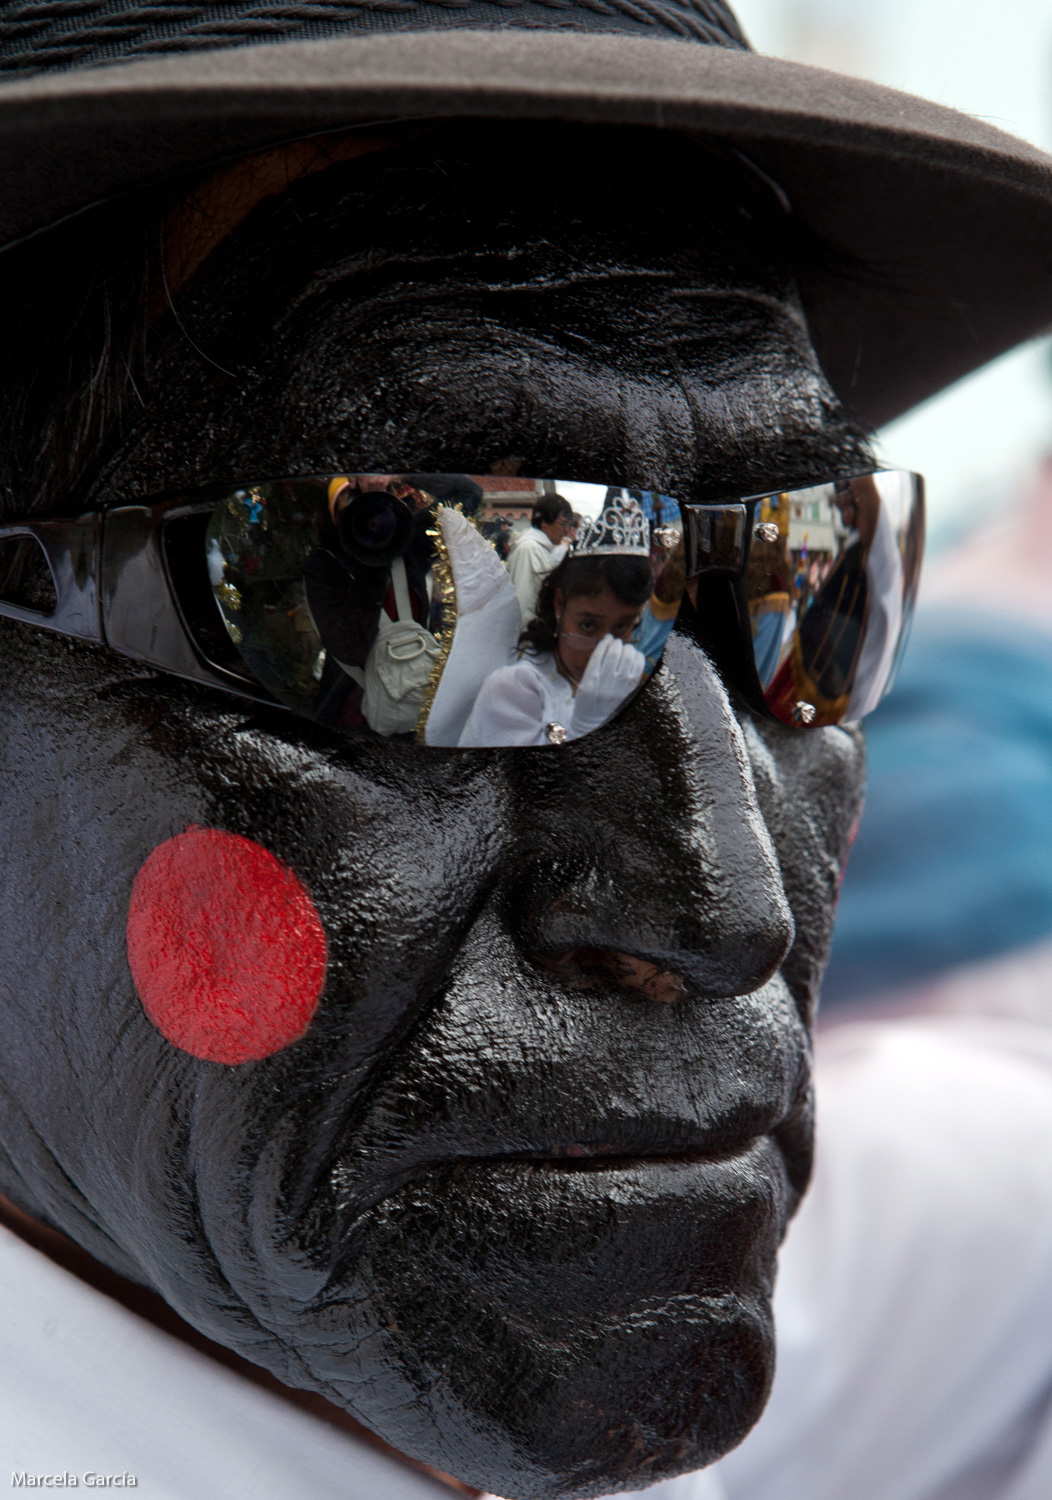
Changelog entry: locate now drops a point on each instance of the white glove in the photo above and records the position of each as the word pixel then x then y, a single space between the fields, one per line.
pixel 615 669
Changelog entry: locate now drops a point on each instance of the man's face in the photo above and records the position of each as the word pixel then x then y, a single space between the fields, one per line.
pixel 559 530
pixel 515 1197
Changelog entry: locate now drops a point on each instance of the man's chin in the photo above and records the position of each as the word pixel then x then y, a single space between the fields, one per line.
pixel 547 1330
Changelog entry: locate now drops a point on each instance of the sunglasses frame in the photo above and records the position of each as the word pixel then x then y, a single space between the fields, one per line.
pixel 114 586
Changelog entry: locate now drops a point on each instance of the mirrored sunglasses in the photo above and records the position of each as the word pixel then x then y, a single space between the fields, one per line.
pixel 485 610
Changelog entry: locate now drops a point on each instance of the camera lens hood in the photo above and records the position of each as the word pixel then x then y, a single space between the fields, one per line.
pixel 374 528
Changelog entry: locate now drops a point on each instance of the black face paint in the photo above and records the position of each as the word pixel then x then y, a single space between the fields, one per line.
pixel 514 1198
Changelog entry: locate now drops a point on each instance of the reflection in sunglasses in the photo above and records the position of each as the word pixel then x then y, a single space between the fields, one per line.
pixel 329 592
pixel 329 595
pixel 376 605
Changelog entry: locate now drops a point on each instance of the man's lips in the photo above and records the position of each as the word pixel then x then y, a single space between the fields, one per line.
pixel 531 1211
pixel 576 1158
pixel 585 1132
pixel 576 1087
pixel 360 1188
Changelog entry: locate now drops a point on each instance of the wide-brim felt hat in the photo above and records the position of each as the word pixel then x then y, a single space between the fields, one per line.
pixel 938 226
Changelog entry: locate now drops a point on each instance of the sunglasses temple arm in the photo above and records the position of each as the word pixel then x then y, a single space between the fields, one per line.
pixel 140 615
pixel 71 547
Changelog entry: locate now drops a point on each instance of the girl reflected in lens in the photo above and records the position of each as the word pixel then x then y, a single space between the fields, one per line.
pixel 577 664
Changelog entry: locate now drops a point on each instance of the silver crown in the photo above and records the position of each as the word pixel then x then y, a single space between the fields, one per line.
pixel 621 527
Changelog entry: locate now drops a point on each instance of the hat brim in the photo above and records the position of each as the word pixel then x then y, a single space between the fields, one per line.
pixel 939 226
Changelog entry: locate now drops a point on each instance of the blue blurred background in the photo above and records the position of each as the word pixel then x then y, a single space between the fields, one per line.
pixel 953 859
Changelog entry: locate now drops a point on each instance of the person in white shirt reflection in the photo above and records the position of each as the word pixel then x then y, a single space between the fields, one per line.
pixel 538 550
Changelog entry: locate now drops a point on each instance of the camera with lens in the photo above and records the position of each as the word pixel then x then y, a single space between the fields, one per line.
pixel 375 527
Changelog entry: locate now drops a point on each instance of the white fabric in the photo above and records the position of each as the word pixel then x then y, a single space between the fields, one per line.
pixel 86 1386
pixel 615 669
pixel 517 703
pixel 532 557
pixel 914 1302
pixel 487 631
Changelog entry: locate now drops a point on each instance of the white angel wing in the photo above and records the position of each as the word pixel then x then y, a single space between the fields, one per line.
pixel 489 622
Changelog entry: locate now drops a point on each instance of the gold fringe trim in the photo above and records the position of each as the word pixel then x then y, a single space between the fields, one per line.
pixel 443 574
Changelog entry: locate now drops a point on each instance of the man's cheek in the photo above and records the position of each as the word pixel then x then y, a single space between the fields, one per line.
pixel 810 785
pixel 225 947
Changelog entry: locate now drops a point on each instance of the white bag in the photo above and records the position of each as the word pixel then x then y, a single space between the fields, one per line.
pixel 398 667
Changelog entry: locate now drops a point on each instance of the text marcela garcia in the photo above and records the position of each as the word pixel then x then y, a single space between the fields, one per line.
pixel 90 1480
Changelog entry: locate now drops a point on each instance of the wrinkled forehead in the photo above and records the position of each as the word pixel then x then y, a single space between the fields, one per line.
pixel 487 174
pixel 583 301
pixel 212 207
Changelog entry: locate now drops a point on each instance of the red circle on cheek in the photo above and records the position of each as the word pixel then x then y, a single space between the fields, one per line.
pixel 226 949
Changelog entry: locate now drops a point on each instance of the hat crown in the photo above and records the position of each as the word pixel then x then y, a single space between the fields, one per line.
pixel 72 34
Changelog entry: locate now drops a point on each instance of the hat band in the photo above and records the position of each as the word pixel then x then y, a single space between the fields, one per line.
pixel 71 34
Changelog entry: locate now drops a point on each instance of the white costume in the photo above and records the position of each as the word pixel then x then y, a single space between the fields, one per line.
pixel 516 704
pixel 487 630
pixel 532 557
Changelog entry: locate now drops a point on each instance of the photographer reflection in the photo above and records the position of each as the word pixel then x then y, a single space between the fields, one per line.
pixel 370 591
pixel 578 665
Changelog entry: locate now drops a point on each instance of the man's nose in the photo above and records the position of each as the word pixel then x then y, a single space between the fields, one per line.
pixel 642 856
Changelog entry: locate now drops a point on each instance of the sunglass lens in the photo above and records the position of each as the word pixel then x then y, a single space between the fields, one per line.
pixel 830 584
pixel 365 603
